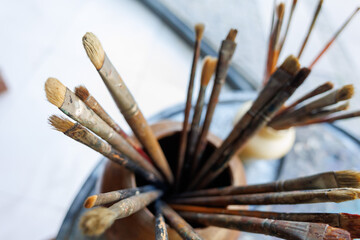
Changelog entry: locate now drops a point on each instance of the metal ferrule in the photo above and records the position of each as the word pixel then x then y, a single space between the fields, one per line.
pixel 120 93
pixel 226 52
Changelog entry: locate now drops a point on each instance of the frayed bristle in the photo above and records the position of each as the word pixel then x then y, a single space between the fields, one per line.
pixel 82 92
pixel 291 65
pixel 94 49
pixel 55 91
pixel 280 10
pixel 60 124
pixel 96 221
pixel 346 92
pixel 348 178
pixel 336 234
pixel 199 31
pixel 232 35
pixel 343 194
pixel 90 201
pixel 351 222
pixel 208 69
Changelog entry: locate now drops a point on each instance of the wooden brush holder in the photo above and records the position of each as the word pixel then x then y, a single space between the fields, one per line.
pixel 141 225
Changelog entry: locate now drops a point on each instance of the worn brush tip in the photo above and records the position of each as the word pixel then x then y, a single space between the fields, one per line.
pixel 90 201
pixel 232 34
pixel 96 221
pixel 343 107
pixel 348 178
pixel 343 194
pixel 55 91
pixel 199 31
pixel 94 49
pixel 332 233
pixel 329 85
pixel 60 124
pixel 280 10
pixel 351 222
pixel 291 65
pixel 82 92
pixel 208 69
pixel 346 92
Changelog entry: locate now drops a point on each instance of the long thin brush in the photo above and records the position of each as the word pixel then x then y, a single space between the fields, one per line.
pixel 332 119
pixel 333 39
pixel 82 135
pixel 276 228
pixel 94 105
pixel 336 195
pixel 283 39
pixel 126 103
pixel 199 30
pixel 97 220
pixel 114 196
pixel 160 225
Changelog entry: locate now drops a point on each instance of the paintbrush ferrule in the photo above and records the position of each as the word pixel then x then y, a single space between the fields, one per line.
pixel 226 52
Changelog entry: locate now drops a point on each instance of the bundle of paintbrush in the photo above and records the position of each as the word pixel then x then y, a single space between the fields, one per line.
pixel 97 130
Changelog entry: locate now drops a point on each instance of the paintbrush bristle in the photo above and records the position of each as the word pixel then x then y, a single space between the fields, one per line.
pixel 336 234
pixel 60 124
pixel 199 31
pixel 55 91
pixel 343 107
pixel 291 65
pixel 232 35
pixel 343 194
pixel 280 10
pixel 90 201
pixel 208 69
pixel 96 221
pixel 351 222
pixel 94 49
pixel 346 92
pixel 82 92
pixel 348 178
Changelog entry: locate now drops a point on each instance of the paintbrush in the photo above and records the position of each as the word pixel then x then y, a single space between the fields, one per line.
pixel 331 119
pixel 207 71
pixel 282 41
pixel 115 196
pixel 82 135
pixel 97 220
pixel 94 105
pixel 178 223
pixel 326 180
pixel 333 38
pixel 276 228
pixel 126 103
pixel 316 14
pixel 160 225
pixel 349 222
pixel 225 54
pixel 72 106
pixel 199 30
pixel 336 195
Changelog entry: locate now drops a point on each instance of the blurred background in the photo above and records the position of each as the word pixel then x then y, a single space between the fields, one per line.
pixel 148 42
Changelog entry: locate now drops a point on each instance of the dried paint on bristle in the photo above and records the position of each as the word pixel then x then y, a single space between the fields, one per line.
pixel 94 49
pixel 55 91
pixel 208 69
pixel 348 178
pixel 291 65
pixel 343 194
pixel 346 92
pixel 96 221
pixel 280 10
pixel 199 31
pixel 232 35
pixel 351 222
pixel 60 123
pixel 336 233
pixel 90 201
pixel 82 92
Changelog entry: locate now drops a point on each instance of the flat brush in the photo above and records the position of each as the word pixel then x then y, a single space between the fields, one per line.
pixel 178 223
pixel 225 54
pixel 126 103
pixel 336 195
pixel 160 225
pixel 82 135
pixel 349 222
pixel 333 39
pixel 326 180
pixel 97 220
pixel 114 196
pixel 276 228
pixel 71 105
pixel 199 30
pixel 94 105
